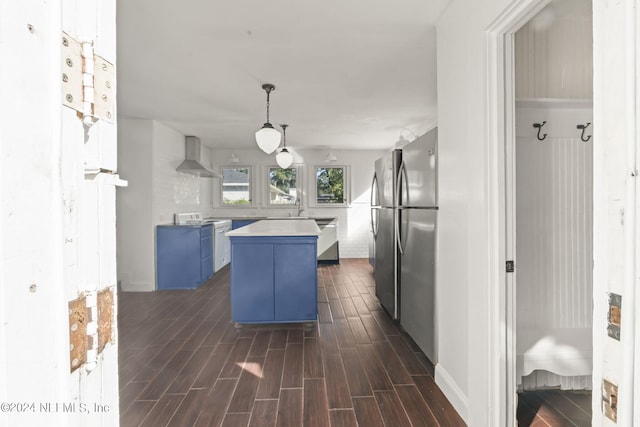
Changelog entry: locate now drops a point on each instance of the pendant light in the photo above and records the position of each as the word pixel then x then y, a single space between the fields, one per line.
pixel 284 158
pixel 267 138
pixel 331 158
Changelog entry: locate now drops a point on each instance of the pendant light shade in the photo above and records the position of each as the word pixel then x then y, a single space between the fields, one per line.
pixel 268 138
pixel 284 158
pixel 233 158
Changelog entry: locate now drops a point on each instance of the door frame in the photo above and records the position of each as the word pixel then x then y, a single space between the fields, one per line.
pixel 501 139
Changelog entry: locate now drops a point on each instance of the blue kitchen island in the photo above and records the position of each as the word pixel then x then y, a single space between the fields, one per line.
pixel 274 276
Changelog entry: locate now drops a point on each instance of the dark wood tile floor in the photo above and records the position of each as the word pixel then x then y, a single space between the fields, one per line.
pixel 554 408
pixel 183 363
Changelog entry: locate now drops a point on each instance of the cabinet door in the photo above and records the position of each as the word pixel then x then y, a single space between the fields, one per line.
pixel 295 282
pixel 178 257
pixel 252 282
pixel 206 252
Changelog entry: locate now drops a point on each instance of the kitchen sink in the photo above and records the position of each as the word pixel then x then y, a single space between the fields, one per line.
pixel 287 217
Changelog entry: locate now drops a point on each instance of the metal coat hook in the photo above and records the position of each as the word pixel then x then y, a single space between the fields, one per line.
pixel 539 127
pixel 583 127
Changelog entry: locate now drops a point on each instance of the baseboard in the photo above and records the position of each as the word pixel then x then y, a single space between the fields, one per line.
pixel 137 287
pixel 451 390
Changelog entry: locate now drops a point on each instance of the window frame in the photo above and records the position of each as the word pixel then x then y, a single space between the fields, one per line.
pixel 346 185
pixel 251 183
pixel 267 192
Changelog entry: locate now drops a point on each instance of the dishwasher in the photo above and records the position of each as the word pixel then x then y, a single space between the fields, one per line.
pixel 221 244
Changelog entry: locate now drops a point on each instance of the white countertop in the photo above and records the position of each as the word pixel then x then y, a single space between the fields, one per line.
pixel 277 227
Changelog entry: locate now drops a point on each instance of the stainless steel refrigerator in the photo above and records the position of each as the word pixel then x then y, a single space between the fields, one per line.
pixel 405 237
pixel 384 214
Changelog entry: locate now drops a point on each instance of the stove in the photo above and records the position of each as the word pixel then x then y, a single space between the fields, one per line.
pixel 193 218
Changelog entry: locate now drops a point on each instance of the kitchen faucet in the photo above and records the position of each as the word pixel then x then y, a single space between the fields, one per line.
pixel 300 207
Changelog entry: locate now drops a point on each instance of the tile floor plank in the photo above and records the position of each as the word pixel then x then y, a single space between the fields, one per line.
pixel 391 409
pixel 437 401
pixel 293 361
pixel 216 403
pixel 236 358
pixel 189 409
pixel 392 364
pixel 376 373
pixel 163 410
pixel 356 375
pixel 264 413
pixel 246 390
pixel 415 406
pixel 336 382
pixel 343 418
pixel 290 408
pixel 213 366
pixel 260 344
pixel 186 377
pixel 312 359
pixel 236 420
pixel 269 387
pixel 367 412
pixel 315 406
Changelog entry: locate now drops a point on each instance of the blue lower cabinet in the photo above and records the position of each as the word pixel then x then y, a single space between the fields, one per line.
pixel 252 282
pixel 274 279
pixel 184 256
pixel 295 282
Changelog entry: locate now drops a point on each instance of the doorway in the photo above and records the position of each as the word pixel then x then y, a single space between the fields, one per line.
pixel 502 136
pixel 549 203
pixel 554 212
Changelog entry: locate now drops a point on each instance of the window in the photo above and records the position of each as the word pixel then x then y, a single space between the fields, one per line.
pixel 283 186
pixel 331 186
pixel 236 186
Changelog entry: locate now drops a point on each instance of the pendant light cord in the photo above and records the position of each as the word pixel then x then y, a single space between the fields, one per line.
pixel 284 135
pixel 268 92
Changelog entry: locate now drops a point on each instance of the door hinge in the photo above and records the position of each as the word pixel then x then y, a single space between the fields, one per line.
pixel 88 81
pixel 511 266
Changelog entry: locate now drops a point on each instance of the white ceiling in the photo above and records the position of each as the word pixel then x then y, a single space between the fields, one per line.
pixel 349 74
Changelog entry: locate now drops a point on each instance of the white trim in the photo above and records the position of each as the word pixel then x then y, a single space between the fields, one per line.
pixel 267 186
pixel 626 382
pixel 501 139
pixel 252 187
pixel 138 287
pixel 312 202
pixel 450 388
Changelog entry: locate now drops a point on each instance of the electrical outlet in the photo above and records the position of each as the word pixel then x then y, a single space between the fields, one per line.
pixel 610 400
pixel 614 315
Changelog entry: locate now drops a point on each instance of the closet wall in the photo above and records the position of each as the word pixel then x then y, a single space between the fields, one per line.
pixel 554 191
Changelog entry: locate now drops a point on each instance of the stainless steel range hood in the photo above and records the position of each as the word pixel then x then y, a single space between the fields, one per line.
pixel 192 163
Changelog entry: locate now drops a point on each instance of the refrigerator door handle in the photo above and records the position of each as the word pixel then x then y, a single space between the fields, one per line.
pixel 374 224
pixel 374 189
pixel 374 192
pixel 402 173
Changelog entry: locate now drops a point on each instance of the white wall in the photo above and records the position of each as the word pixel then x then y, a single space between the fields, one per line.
pixel 135 205
pixel 149 153
pixel 554 55
pixel 462 273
